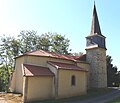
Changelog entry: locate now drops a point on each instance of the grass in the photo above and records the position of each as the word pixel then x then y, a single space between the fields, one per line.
pixel 117 100
pixel 91 93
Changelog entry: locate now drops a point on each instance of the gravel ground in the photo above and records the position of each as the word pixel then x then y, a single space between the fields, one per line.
pixel 10 98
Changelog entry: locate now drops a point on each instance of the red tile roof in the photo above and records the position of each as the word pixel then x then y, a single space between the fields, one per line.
pixel 54 55
pixel 50 54
pixel 65 66
pixel 33 70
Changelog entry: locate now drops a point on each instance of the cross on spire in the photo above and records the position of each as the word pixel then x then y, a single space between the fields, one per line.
pixel 95 27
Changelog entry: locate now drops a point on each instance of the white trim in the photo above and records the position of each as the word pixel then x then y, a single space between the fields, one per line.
pixel 92 46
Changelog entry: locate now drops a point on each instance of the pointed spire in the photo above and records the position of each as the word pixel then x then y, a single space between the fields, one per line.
pixel 95 27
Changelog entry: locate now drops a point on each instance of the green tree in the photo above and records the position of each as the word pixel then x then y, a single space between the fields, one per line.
pixel 53 42
pixel 27 41
pixel 112 73
pixel 44 42
pixel 9 49
pixel 60 44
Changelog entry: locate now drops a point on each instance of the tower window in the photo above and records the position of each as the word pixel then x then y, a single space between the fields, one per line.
pixel 73 80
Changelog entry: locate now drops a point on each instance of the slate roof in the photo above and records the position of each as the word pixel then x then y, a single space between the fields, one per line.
pixel 65 66
pixel 33 70
pixel 95 27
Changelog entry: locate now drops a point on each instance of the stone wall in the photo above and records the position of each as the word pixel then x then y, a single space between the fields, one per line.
pixel 97 73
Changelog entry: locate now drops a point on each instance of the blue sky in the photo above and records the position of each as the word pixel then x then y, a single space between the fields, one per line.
pixel 71 18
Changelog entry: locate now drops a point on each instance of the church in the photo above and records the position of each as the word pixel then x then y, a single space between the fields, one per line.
pixel 41 75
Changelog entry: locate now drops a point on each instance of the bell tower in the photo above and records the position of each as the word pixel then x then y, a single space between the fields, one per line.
pixel 96 54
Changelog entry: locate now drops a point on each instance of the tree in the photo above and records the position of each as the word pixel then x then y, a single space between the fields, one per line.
pixel 112 73
pixel 44 42
pixel 59 44
pixel 49 42
pixel 9 49
pixel 27 40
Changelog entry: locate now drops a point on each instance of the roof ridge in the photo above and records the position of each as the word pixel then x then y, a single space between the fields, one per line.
pixel 59 62
pixel 35 65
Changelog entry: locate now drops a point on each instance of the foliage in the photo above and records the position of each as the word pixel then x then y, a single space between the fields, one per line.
pixel 27 41
pixel 9 49
pixel 116 100
pixel 113 76
pixel 44 42
pixel 54 42
pixel 59 44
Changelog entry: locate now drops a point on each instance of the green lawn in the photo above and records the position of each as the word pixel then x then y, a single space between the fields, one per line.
pixel 115 101
pixel 91 93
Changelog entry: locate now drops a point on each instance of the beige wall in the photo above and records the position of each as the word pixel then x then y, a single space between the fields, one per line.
pixel 39 88
pixel 43 60
pixel 85 66
pixel 19 75
pixel 12 82
pixel 36 60
pixel 64 84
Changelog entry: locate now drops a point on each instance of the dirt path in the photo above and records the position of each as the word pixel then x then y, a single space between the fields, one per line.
pixel 2 100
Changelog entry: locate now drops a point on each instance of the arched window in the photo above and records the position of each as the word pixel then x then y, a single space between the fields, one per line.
pixel 73 80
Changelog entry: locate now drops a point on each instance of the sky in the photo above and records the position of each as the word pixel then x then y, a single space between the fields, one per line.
pixel 71 18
